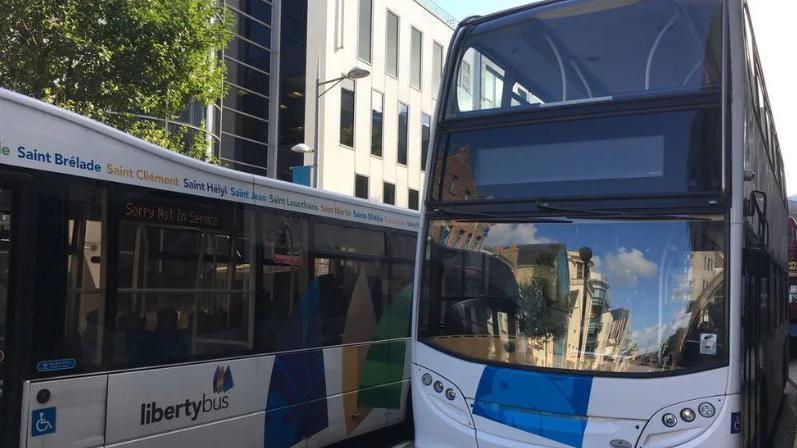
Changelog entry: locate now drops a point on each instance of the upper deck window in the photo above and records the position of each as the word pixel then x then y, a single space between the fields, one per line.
pixel 589 50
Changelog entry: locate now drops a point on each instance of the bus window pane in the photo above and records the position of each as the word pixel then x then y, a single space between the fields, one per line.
pixel 184 282
pixel 589 50
pixel 6 209
pixel 344 239
pixel 591 295
pixel 287 298
pixel 652 153
pixel 69 302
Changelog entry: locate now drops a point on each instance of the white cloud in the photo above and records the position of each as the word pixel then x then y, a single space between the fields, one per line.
pixel 626 266
pixel 650 339
pixel 509 234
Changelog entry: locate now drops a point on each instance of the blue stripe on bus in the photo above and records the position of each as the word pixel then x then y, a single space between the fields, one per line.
pixel 550 405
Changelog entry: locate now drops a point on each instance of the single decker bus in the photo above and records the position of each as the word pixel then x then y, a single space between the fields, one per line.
pixel 603 261
pixel 151 300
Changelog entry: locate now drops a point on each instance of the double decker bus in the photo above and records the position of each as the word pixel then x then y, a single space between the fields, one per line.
pixel 603 255
pixel 152 300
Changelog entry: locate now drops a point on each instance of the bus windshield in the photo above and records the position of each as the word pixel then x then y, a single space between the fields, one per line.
pixel 588 50
pixel 626 297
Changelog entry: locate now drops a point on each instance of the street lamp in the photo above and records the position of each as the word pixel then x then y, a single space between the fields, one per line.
pixel 353 74
pixel 585 253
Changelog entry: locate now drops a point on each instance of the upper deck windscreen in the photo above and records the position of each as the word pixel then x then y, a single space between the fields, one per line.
pixel 589 50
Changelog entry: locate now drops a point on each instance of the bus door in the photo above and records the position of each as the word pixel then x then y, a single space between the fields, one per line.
pixel 13 241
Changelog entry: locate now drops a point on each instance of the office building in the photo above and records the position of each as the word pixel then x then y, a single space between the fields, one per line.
pixel 373 131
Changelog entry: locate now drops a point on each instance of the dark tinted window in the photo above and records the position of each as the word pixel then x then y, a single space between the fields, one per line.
pixel 244 151
pixel 589 50
pixel 360 285
pixel 71 249
pixel 361 186
pixel 258 9
pixel 347 113
pixel 377 117
pixel 388 193
pixel 247 77
pixel 412 201
pixel 426 134
pixel 253 30
pixel 184 281
pixel 653 153
pixel 287 295
pixel 403 129
pixel 251 54
pixel 246 101
pixel 244 126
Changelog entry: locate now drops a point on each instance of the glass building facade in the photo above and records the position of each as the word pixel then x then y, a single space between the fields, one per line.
pixel 242 122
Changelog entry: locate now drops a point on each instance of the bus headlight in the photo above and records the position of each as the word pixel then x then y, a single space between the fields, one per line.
pixel 450 394
pixel 669 420
pixel 687 415
pixel 438 386
pixel 426 379
pixel 706 409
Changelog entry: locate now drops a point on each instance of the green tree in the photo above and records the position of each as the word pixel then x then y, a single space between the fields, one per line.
pixel 110 59
pixel 543 313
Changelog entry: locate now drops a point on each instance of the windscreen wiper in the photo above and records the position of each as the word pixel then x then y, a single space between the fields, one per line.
pixel 467 216
pixel 587 213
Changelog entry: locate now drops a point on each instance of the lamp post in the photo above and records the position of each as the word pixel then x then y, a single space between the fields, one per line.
pixel 585 253
pixel 353 74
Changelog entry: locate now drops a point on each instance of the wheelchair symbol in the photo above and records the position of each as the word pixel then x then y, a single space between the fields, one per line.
pixel 43 422
pixel 43 425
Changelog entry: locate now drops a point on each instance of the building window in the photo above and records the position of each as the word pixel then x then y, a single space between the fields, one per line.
pixel 403 129
pixel 347 113
pixel 426 134
pixel 388 193
pixel 361 186
pixel 339 7
pixel 364 29
pixel 412 201
pixel 416 58
pixel 392 39
pixel 437 67
pixel 377 115
pixel 464 76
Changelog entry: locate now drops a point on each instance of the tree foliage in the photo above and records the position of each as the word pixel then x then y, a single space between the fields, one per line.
pixel 109 59
pixel 543 312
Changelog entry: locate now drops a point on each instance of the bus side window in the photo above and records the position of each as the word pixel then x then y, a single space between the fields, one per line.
pixel 69 302
pixel 184 287
pixel 284 279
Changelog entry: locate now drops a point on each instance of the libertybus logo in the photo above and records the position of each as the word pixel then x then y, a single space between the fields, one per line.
pixel 222 379
pixel 191 409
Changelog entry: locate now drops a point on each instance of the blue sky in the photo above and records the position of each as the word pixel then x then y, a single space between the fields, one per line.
pixel 464 8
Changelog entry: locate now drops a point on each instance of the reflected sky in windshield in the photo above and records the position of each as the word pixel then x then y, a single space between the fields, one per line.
pixel 654 299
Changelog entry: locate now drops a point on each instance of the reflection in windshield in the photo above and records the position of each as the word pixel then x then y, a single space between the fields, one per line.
pixel 592 295
pixel 589 50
